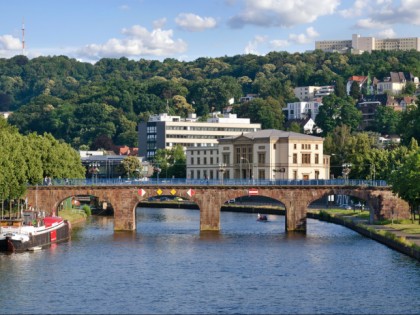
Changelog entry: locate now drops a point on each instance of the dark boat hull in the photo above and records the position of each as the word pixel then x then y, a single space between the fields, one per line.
pixel 50 236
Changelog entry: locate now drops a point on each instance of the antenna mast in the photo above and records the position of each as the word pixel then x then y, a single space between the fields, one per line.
pixel 23 36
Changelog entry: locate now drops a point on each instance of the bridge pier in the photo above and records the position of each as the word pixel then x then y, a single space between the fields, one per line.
pixel 210 203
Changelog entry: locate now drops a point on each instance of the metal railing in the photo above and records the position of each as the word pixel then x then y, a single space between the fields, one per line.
pixel 218 182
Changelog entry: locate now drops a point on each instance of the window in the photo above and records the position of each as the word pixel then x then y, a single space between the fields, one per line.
pixel 198 161
pixel 295 158
pixel 192 174
pixel 198 174
pixel 192 161
pixel 294 174
pixel 205 161
pixel 261 158
pixel 295 146
pixel 317 158
pixel 316 174
pixel 306 158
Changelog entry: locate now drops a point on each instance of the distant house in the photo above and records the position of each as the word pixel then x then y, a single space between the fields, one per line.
pixel 248 98
pixel 368 106
pixel 307 125
pixel 310 93
pixel 361 80
pixel 396 82
pixel 125 150
pixel 5 114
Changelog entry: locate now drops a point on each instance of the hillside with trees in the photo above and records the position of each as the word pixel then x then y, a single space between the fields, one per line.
pixel 96 105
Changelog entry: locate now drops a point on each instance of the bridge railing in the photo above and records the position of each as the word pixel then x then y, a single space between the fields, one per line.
pixel 218 182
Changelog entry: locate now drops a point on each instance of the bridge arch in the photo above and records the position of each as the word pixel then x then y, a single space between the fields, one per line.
pixel 210 199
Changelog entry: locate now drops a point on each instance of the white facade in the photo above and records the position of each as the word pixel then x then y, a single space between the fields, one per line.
pixel 301 110
pixel 265 154
pixel 172 130
pixel 360 44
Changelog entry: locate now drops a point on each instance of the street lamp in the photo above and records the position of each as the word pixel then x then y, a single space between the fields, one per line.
pixel 94 170
pixel 157 170
pixel 222 169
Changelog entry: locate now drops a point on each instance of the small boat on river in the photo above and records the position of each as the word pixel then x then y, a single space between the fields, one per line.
pixel 262 217
pixel 33 231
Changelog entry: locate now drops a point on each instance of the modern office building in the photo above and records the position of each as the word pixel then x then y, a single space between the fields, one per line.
pixel 360 44
pixel 164 132
pixel 265 154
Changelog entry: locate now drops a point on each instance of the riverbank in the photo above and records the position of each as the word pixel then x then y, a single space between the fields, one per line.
pixel 74 216
pixel 392 236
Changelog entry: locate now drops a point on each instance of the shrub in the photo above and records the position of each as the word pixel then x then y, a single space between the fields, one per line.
pixel 87 210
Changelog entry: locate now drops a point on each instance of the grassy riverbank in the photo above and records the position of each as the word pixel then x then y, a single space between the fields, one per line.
pixel 74 216
pixel 402 235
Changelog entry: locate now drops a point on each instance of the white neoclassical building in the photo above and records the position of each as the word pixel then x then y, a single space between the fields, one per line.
pixel 265 154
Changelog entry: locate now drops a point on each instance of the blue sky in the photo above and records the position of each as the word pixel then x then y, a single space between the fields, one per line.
pixel 189 29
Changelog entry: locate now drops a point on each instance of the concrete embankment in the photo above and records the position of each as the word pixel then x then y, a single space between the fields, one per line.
pixel 389 239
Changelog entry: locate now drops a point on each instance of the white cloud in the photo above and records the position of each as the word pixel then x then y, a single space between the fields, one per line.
pixel 124 7
pixel 356 10
pixel 388 33
pixel 404 12
pixel 370 24
pixel 159 23
pixel 8 42
pixel 138 42
pixel 306 38
pixel 282 12
pixel 279 43
pixel 194 23
pixel 251 47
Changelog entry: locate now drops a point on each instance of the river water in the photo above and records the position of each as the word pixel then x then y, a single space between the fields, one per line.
pixel 167 266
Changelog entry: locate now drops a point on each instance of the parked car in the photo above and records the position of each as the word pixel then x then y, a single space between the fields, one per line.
pixel 231 201
pixel 344 206
pixel 359 206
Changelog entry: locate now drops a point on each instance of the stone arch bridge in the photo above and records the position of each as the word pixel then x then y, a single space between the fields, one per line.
pixel 209 199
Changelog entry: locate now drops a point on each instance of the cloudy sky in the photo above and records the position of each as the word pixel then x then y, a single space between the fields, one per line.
pixel 189 29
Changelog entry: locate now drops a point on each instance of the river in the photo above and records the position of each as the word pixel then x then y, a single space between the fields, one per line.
pixel 167 266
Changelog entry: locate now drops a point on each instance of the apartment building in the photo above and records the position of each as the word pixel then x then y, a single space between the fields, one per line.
pixel 164 131
pixel 310 93
pixel 302 110
pixel 264 154
pixel 360 44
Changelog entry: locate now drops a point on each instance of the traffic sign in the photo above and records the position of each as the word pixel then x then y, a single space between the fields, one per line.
pixel 252 192
pixel 191 192
pixel 142 192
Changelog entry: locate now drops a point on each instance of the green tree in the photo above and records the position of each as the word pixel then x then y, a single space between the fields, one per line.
pixel 355 90
pixel 405 181
pixel 132 166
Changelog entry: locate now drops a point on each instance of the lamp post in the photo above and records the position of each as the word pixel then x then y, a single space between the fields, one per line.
pixel 222 169
pixel 94 170
pixel 158 170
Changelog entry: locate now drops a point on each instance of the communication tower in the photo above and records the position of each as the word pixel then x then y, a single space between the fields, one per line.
pixel 23 36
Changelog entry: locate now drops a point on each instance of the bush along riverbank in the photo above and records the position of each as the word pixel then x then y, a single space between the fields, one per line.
pixel 375 232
